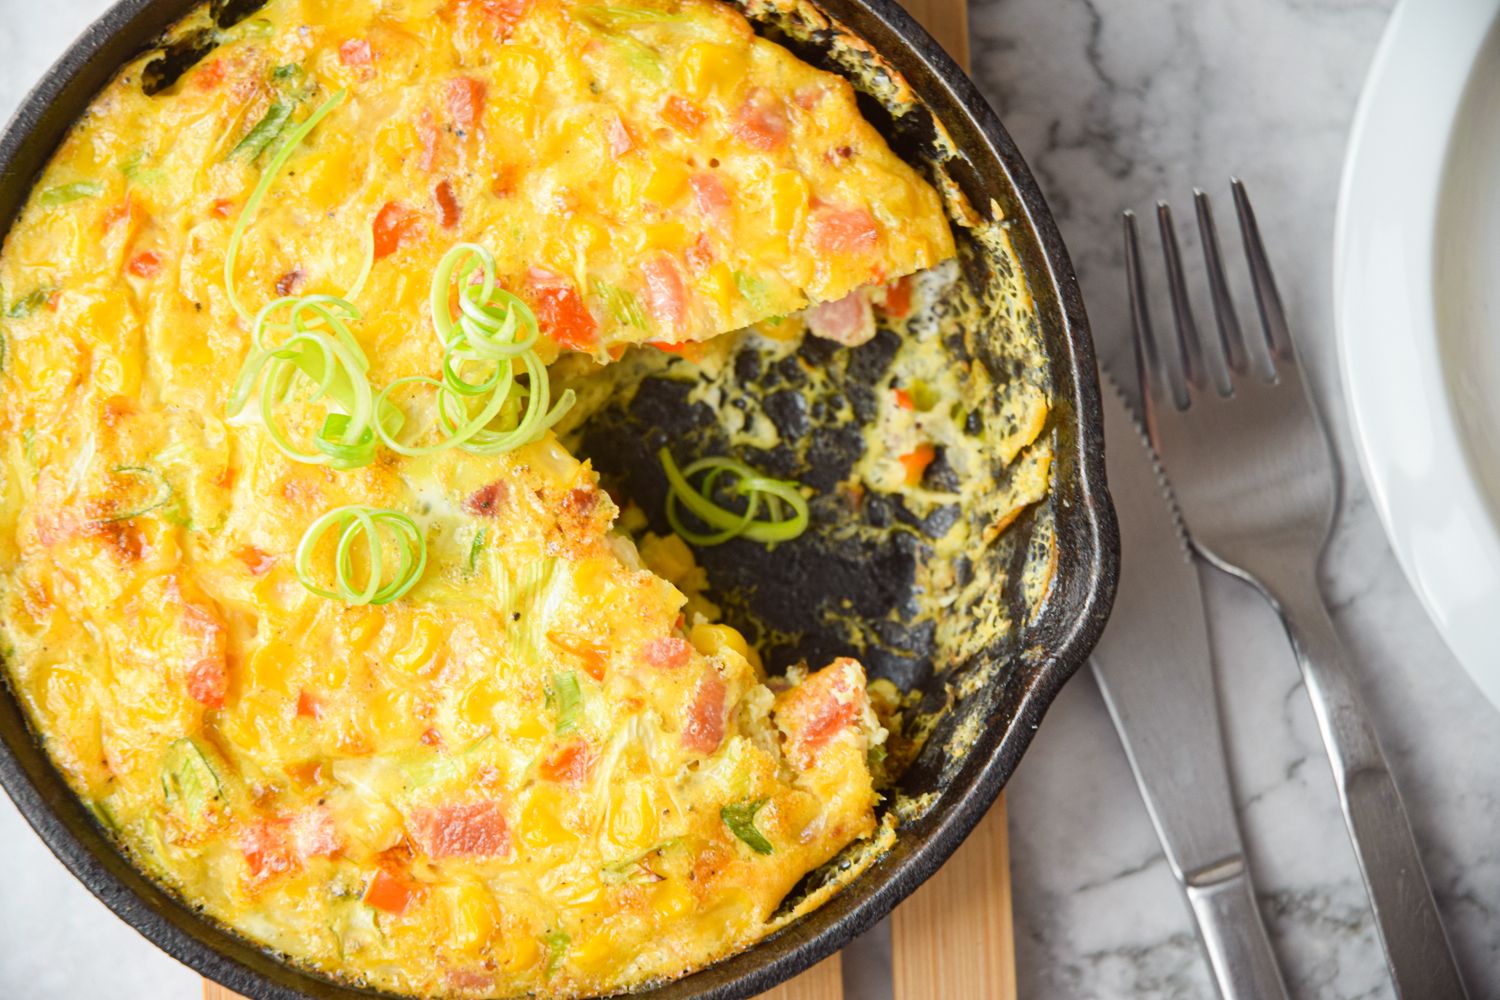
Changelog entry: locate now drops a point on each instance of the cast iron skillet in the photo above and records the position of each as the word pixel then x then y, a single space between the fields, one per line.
pixel 1057 636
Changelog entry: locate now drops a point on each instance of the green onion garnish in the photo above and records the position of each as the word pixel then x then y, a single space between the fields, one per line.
pixel 357 523
pixel 252 205
pixel 64 193
pixel 265 131
pixel 490 331
pixel 29 303
pixel 161 493
pixel 569 701
pixel 622 305
pixel 777 495
pixel 557 949
pixel 188 779
pixel 309 336
pixel 740 818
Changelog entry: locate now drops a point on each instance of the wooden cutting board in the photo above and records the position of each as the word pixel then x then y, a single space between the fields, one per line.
pixel 953 937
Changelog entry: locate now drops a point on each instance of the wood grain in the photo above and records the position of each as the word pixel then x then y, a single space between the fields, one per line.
pixel 954 938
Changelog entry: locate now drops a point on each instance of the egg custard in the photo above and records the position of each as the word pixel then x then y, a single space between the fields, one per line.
pixel 296 583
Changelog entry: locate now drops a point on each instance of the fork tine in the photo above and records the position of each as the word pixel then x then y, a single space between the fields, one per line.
pixel 1267 298
pixel 1157 387
pixel 1231 337
pixel 1189 347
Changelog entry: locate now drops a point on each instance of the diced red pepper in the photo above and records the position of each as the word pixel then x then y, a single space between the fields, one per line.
pixel 145 265
pixel 209 75
pixel 903 399
pixel 916 462
pixel 394 224
pixel 569 764
pixel 897 298
pixel 308 705
pixel 222 208
pixel 683 115
pixel 447 204
pixel 561 312
pixel 500 17
pixel 391 892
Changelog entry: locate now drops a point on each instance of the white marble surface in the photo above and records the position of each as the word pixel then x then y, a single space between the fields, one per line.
pixel 1115 103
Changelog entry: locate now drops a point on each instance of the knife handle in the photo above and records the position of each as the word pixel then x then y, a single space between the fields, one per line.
pixel 1234 935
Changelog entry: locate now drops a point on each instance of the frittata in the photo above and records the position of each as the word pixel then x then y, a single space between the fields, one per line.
pixel 303 595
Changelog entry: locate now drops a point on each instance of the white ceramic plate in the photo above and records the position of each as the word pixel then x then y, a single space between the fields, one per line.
pixel 1417 303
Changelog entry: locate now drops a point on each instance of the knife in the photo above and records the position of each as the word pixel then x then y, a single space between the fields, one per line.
pixel 1155 670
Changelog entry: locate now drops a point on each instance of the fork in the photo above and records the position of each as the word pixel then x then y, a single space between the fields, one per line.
pixel 1232 420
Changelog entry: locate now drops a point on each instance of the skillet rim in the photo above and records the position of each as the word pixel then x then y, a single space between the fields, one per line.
pixel 64 825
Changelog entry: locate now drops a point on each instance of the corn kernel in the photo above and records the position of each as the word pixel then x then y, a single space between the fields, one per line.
pixel 671 899
pixel 713 639
pixel 708 68
pixel 474 915
pixel 542 825
pixel 668 183
pixel 718 282
pixel 788 200
pixel 418 651
pixel 667 556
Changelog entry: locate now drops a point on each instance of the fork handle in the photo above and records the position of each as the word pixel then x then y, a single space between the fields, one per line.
pixel 1416 948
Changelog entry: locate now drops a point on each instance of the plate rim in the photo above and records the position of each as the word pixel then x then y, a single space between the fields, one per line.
pixel 1383 396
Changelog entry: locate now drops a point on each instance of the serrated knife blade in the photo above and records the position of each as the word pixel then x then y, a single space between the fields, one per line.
pixel 1155 669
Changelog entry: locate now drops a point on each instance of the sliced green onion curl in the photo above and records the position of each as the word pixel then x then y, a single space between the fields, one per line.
pixel 359 529
pixel 485 332
pixel 309 336
pixel 785 507
pixel 252 205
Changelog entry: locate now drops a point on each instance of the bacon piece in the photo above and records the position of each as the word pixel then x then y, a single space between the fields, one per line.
pixel 667 653
pixel 704 729
pixel 314 834
pixel 666 295
pixel 488 499
pixel 561 312
pixel 762 121
pixel 817 710
pixel 465 100
pixel 207 675
pixel 499 17
pixel 469 829
pixel 711 194
pixel 620 139
pixel 291 281
pixel 356 52
pixel 849 321
pixel 427 136
pixel 842 230
pixel 266 848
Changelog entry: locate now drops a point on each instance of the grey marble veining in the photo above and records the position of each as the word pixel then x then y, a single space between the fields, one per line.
pixel 1115 104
